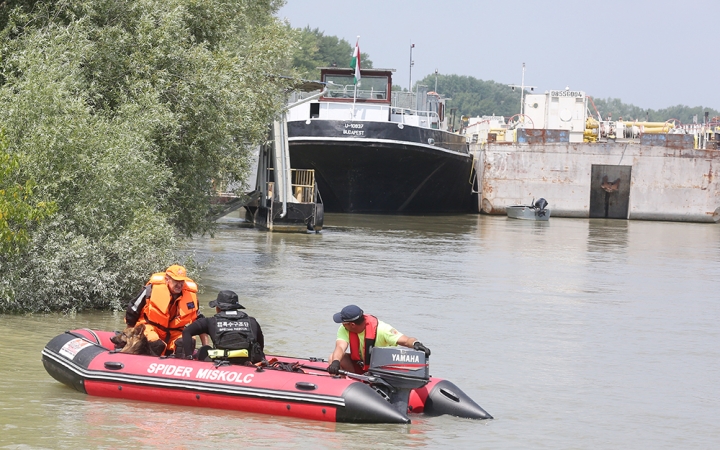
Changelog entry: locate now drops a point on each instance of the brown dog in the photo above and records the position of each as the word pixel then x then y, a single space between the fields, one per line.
pixel 133 340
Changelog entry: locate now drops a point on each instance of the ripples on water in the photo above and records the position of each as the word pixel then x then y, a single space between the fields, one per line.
pixel 572 333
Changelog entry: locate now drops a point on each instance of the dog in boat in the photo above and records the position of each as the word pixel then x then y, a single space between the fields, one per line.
pixel 133 340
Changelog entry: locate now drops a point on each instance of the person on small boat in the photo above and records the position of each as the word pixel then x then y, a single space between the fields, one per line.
pixel 361 332
pixel 237 337
pixel 167 303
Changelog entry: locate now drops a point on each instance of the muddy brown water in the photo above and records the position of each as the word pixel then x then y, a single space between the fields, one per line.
pixel 573 333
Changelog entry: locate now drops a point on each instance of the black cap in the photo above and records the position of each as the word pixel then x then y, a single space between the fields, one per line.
pixel 226 300
pixel 350 313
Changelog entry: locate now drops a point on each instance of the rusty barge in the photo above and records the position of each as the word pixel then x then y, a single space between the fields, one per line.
pixel 595 168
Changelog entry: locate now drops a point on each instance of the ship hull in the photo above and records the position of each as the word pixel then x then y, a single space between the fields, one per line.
pixel 384 167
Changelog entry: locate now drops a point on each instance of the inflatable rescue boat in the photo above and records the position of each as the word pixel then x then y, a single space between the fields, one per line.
pixel 397 382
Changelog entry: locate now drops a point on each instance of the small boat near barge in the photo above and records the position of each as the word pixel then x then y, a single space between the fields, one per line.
pixel 397 383
pixel 536 211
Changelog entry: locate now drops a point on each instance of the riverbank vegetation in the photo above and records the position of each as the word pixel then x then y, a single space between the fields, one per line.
pixel 120 118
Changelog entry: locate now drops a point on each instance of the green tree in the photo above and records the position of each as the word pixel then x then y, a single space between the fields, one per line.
pixel 129 112
pixel 20 210
pixel 472 97
pixel 317 50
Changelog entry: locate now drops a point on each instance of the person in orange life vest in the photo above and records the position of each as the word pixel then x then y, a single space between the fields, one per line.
pixel 166 305
pixel 361 332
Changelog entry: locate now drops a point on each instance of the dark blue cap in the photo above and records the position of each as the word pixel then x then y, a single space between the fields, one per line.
pixel 350 313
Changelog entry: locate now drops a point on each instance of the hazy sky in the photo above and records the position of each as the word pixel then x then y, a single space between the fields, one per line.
pixel 652 54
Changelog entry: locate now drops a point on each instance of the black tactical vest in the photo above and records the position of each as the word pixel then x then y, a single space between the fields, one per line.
pixel 233 331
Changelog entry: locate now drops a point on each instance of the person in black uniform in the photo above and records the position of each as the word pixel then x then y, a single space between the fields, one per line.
pixel 236 336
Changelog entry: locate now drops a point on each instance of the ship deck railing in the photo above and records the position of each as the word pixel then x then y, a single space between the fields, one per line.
pixel 348 91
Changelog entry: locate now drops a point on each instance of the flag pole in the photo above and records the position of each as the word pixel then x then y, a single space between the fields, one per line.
pixel 356 61
pixel 411 66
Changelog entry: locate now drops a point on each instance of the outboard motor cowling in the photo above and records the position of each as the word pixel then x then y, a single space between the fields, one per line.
pixel 402 370
pixel 541 203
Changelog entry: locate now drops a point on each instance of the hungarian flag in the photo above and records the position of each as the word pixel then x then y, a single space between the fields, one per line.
pixel 355 64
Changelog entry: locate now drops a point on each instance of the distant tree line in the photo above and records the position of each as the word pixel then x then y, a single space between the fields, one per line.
pixel 470 96
pixel 317 50
pixel 473 97
pixel 616 109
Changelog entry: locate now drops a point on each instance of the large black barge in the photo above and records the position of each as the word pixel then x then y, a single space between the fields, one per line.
pixel 379 153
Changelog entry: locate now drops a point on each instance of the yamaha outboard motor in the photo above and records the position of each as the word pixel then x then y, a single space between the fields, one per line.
pixel 540 206
pixel 401 370
pixel 395 371
pixel 541 203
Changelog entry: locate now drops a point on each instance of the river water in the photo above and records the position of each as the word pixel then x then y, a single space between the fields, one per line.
pixel 573 333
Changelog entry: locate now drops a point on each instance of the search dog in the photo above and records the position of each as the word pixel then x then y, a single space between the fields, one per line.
pixel 132 340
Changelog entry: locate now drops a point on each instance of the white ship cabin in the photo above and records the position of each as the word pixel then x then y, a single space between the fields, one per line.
pixel 372 99
pixel 558 110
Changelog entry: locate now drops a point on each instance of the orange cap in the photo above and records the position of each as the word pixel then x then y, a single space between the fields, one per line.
pixel 177 273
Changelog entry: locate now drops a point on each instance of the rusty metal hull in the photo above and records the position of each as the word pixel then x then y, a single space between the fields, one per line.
pixel 657 182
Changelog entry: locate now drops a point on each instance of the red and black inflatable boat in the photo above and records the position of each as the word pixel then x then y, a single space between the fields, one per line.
pixel 397 383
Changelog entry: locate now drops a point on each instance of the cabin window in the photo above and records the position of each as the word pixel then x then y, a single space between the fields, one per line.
pixel 314 110
pixel 343 86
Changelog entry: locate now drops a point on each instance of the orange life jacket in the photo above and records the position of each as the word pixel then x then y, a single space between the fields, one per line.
pixel 371 324
pixel 156 317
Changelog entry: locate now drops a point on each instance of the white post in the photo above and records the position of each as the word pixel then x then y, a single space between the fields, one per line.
pixel 411 66
pixel 522 95
pixel 282 163
pixel 354 98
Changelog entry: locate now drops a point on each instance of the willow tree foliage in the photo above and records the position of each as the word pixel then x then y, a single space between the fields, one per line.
pixel 128 114
pixel 20 211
